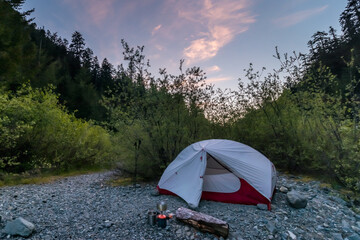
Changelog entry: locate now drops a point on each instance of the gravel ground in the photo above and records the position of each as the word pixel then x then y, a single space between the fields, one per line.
pixel 85 207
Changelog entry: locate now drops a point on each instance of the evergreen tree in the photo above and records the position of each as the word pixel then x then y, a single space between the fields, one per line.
pixel 77 45
pixel 350 20
pixel 106 76
pixel 18 53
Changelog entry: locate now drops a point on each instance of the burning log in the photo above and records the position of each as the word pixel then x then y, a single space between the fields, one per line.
pixel 203 222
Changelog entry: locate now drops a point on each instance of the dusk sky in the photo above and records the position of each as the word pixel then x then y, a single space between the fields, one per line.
pixel 220 36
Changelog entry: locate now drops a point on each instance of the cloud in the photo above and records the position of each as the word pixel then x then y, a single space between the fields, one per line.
pixel 99 10
pixel 218 79
pixel 157 28
pixel 159 47
pixel 298 17
pixel 220 21
pixel 214 68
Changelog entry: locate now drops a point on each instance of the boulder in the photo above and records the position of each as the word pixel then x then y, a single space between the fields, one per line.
pixel 20 227
pixel 296 200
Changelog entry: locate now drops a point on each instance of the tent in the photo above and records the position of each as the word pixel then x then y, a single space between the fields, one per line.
pixel 220 170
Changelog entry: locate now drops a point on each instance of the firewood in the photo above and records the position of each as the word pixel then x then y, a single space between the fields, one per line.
pixel 203 222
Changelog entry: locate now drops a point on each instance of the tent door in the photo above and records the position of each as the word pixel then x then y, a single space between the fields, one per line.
pixel 218 178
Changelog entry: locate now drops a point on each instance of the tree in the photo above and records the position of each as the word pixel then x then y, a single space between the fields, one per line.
pixel 350 20
pixel 106 76
pixel 77 44
pixel 17 52
pixel 87 59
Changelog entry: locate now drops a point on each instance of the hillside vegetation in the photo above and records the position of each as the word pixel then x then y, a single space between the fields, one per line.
pixel 60 108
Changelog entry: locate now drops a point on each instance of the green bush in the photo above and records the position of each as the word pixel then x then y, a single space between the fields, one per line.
pixel 37 132
pixel 348 166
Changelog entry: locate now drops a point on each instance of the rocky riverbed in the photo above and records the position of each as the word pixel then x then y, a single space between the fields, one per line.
pixel 85 207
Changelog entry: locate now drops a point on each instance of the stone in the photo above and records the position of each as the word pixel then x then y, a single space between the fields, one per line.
pixel 20 227
pixel 262 206
pixel 326 190
pixel 178 232
pixel 345 224
pixel 349 204
pixel 107 224
pixel 155 193
pixel 337 236
pixel 271 228
pixel 353 237
pixel 296 200
pixel 355 228
pixel 283 189
pixel 234 235
pixel 338 200
pixel 292 235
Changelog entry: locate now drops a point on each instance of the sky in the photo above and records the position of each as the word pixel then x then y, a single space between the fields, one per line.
pixel 220 36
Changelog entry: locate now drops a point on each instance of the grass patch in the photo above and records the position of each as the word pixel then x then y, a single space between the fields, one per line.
pixel 123 181
pixel 325 185
pixel 45 176
pixel 325 181
pixel 306 178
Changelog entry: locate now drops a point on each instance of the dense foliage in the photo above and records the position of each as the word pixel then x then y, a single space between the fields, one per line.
pixel 37 132
pixel 303 116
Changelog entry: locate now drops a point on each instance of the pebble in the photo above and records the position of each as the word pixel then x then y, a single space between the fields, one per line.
pixel 262 206
pixel 85 207
pixel 292 235
pixel 283 189
pixel 337 236
pixel 271 227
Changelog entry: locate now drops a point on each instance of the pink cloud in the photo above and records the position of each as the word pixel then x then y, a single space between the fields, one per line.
pixel 214 68
pixel 220 21
pixel 298 17
pixel 99 10
pixel 157 28
pixel 218 79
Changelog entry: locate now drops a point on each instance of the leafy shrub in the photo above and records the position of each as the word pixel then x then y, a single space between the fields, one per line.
pixel 37 132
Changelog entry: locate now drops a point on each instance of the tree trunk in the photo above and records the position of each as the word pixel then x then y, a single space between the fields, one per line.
pixel 203 222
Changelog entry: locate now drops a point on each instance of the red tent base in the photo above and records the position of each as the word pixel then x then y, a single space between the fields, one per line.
pixel 245 195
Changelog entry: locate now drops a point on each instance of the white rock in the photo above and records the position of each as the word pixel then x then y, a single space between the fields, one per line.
pixel 283 189
pixel 292 235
